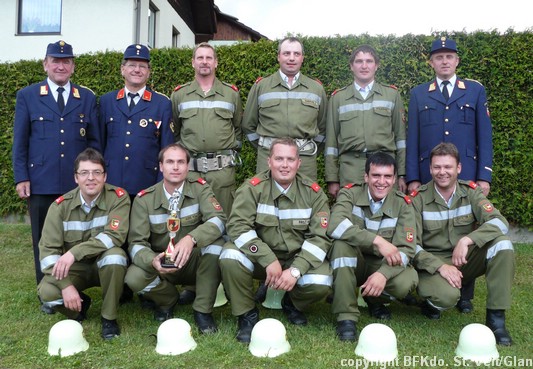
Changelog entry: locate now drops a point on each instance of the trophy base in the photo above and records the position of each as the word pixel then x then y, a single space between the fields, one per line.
pixel 167 263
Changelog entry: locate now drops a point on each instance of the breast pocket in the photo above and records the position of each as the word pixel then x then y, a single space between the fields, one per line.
pixel 468 112
pixel 427 114
pixel 43 126
pixel 349 124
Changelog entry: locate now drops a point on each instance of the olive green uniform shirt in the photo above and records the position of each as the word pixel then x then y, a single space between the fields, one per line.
pixel 356 125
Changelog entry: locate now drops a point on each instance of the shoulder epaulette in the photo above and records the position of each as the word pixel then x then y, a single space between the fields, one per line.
pixel 335 92
pixel 258 79
pixel 394 87
pixel 255 181
pixel 201 181
pixel 59 200
pixel 233 87
pixel 472 184
pixel 319 81
pixel 141 193
pixel 180 86
pixel 315 186
pixel 473 80
pixel 349 185
pixel 120 192
pixel 87 88
pixel 159 93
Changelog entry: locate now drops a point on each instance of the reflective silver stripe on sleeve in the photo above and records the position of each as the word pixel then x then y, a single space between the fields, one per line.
pixel 245 237
pixel 444 215
pixel 135 249
pixel 54 303
pixel 306 279
pixel 252 137
pixel 332 151
pixel 314 250
pixel 418 249
pixel 343 262
pixel 211 249
pixel 238 256
pixel 219 223
pixel 49 261
pixel 405 259
pixel 189 210
pixel 498 223
pixel 158 218
pixel 499 246
pixel 319 138
pixel 156 282
pixel 289 95
pixel 206 104
pixel 112 260
pixel 341 228
pixel 106 240
pixel 400 144
pixel 76 225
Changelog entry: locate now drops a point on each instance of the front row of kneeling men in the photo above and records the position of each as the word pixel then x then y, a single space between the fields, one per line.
pixel 279 231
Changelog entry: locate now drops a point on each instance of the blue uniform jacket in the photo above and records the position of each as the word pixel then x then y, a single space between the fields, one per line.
pixel 46 142
pixel 132 140
pixel 463 121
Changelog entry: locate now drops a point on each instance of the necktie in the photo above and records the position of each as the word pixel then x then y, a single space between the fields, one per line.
pixel 60 99
pixel 445 92
pixel 132 99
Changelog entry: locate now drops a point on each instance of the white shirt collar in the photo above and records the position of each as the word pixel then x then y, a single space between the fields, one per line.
pixel 85 206
pixel 281 189
pixel 452 81
pixel 285 78
pixel 53 87
pixel 375 205
pixel 449 202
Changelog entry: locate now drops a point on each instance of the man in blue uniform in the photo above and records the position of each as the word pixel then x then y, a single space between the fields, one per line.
pixel 55 120
pixel 449 109
pixel 135 123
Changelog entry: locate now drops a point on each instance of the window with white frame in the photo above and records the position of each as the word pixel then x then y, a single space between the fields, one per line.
pixel 39 16
pixel 175 37
pixel 152 17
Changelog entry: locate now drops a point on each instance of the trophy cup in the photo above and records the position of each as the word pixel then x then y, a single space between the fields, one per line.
pixel 173 226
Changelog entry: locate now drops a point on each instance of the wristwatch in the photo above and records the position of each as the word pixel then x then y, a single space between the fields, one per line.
pixel 295 272
pixel 193 239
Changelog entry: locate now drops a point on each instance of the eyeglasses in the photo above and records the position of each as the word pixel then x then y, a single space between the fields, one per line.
pixel 135 66
pixel 87 173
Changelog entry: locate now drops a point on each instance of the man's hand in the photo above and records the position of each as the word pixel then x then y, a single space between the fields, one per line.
pixel 413 186
pixel 62 266
pixel 460 250
pixel 273 272
pixel 23 189
pixel 485 187
pixel 333 189
pixel 374 285
pixel 71 298
pixel 286 281
pixel 182 251
pixel 156 263
pixel 451 274
pixel 402 186
pixel 388 251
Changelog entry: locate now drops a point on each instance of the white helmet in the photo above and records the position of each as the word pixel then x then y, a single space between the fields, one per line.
pixel 273 298
pixel 377 342
pixel 221 299
pixel 477 343
pixel 174 337
pixel 66 338
pixel 269 339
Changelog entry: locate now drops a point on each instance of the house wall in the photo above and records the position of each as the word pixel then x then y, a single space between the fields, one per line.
pixel 91 26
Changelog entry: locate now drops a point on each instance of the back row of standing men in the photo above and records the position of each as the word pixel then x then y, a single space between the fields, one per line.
pixel 56 119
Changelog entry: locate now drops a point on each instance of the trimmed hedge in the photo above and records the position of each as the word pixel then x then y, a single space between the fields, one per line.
pixel 502 62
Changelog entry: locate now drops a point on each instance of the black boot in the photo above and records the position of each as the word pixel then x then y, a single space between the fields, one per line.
pixel 496 322
pixel 246 324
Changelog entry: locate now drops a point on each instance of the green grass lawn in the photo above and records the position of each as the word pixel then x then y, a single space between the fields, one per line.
pixel 24 329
